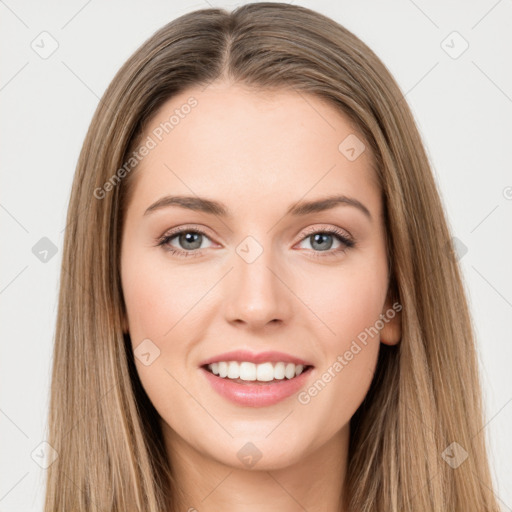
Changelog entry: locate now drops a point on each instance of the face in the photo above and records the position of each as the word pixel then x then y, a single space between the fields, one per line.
pixel 241 268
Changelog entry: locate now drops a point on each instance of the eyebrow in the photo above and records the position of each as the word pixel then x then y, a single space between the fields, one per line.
pixel 300 208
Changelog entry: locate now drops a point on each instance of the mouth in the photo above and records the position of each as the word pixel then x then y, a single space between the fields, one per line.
pixel 248 373
pixel 248 384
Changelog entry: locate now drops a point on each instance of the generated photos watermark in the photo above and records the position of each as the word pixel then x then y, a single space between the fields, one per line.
pixel 342 360
pixel 157 135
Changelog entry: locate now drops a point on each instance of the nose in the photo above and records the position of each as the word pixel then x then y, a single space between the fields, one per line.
pixel 258 293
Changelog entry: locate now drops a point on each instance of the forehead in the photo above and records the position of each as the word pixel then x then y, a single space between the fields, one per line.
pixel 253 145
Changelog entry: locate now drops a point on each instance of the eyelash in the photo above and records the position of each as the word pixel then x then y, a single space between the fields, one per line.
pixel 348 242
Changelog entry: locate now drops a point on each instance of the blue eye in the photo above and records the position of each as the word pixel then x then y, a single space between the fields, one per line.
pixel 321 239
pixel 190 239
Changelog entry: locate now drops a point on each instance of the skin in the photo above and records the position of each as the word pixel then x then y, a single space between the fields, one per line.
pixel 258 152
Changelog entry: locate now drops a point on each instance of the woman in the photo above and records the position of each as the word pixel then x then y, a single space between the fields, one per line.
pixel 312 348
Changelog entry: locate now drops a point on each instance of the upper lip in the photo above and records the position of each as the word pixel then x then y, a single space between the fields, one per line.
pixel 260 357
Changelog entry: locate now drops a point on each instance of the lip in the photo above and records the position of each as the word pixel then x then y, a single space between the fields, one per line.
pixel 261 357
pixel 256 395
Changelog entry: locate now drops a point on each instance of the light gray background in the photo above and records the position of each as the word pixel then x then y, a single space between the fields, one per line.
pixel 463 107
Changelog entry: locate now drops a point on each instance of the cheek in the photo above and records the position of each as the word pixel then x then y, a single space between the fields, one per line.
pixel 165 304
pixel 349 360
pixel 158 296
pixel 348 301
pixel 160 305
pixel 349 304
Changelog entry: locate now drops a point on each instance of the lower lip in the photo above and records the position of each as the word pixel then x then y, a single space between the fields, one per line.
pixel 257 395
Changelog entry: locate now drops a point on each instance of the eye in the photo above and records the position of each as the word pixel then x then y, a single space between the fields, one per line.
pixel 190 242
pixel 322 241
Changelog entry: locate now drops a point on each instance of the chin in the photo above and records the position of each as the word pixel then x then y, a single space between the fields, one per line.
pixel 256 453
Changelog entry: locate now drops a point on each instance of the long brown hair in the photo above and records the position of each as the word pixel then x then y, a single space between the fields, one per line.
pixel 426 391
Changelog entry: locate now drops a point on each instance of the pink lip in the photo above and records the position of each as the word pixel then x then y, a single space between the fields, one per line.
pixel 256 395
pixel 262 357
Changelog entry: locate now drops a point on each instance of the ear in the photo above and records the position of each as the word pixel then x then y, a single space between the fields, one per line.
pixel 391 333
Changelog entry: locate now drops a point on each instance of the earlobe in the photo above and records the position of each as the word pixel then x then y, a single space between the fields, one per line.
pixel 391 317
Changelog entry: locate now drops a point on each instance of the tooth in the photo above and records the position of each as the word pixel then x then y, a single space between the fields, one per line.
pixel 247 371
pixel 233 370
pixel 279 371
pixel 265 372
pixel 289 371
pixel 223 369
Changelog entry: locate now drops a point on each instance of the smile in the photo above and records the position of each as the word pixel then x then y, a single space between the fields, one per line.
pixel 247 371
pixel 257 392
